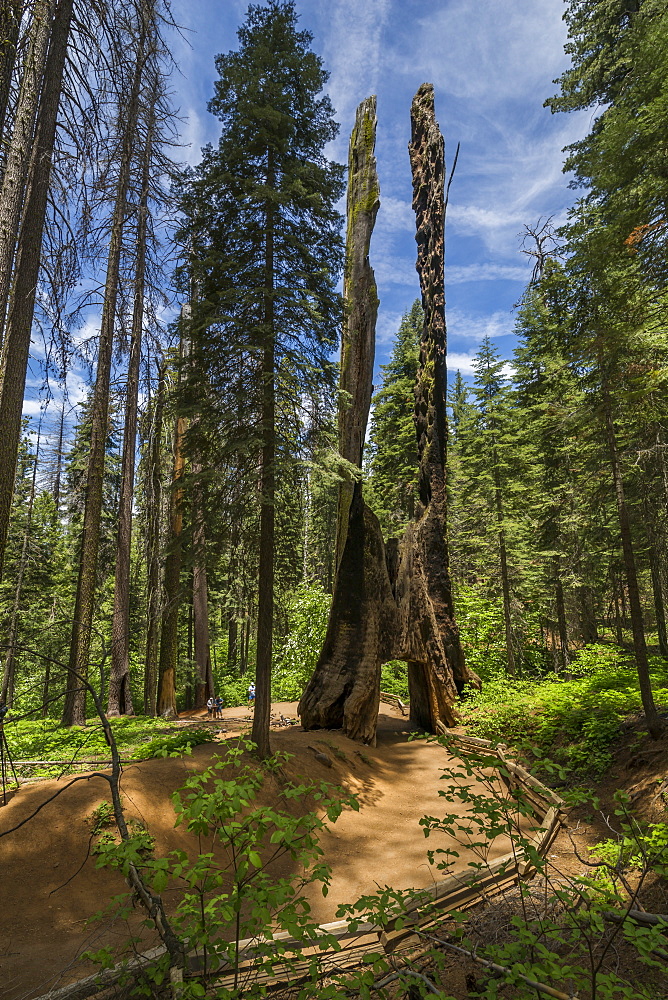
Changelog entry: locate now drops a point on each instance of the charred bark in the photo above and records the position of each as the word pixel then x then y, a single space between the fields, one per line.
pixel 392 601
pixel 358 339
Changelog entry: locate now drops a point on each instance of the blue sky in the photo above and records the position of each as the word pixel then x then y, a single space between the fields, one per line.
pixel 492 63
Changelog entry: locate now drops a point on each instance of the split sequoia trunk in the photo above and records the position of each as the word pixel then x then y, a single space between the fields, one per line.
pixel 394 601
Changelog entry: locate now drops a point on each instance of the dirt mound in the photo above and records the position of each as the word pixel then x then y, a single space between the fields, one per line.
pixel 51 888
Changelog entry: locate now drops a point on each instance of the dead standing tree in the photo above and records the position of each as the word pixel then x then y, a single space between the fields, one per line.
pixel 392 601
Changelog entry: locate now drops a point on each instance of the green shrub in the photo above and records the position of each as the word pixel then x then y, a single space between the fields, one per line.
pixel 575 721
pixel 308 613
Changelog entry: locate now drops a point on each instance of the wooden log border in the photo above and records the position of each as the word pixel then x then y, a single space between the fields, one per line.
pixel 431 906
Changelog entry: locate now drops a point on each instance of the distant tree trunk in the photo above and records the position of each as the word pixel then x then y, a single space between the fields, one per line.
pixel 10 23
pixel 74 712
pixel 232 651
pixel 587 616
pixel 20 147
pixel 395 601
pixel 120 690
pixel 655 724
pixel 153 490
pixel 265 617
pixel 16 343
pixel 200 600
pixel 8 676
pixel 169 633
pixel 561 619
pixel 503 560
pixel 659 607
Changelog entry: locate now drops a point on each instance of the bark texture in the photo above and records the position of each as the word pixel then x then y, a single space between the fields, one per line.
pixel 74 710
pixel 394 601
pixel 16 344
pixel 358 339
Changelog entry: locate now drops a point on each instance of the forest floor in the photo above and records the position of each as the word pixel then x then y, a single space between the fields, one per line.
pixel 50 886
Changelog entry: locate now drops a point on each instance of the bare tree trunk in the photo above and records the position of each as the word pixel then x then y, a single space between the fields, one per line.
pixel 10 23
pixel 169 632
pixel 16 344
pixel 8 677
pixel 153 505
pixel 120 691
pixel 654 721
pixel 20 148
pixel 659 606
pixel 561 619
pixel 232 651
pixel 200 601
pixel 265 599
pixel 503 560
pixel 74 711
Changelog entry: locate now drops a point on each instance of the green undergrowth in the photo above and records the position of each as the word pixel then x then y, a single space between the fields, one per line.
pixel 573 722
pixel 137 737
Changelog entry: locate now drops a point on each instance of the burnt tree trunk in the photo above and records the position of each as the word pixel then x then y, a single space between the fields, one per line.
pixel 392 601
pixel 358 338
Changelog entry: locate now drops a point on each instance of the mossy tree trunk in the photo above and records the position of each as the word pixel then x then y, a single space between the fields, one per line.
pixel 395 600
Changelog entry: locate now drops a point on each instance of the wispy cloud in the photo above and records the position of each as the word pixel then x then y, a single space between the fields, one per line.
pixel 500 53
pixel 468 326
pixel 354 57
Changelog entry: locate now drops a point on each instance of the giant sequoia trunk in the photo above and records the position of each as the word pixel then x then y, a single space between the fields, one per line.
pixel 394 601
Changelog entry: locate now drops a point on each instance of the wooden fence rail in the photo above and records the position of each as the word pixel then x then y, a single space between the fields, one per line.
pixel 430 906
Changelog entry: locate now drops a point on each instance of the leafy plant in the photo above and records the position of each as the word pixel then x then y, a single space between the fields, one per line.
pixel 178 743
pixel 308 612
pixel 233 882
pixel 574 721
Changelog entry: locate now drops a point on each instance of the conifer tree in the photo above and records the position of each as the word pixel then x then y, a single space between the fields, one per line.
pixel 265 238
pixel 391 458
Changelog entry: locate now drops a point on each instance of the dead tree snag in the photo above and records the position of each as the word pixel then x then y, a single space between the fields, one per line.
pixel 391 601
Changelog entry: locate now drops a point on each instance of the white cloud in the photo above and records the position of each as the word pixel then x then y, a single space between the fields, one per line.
pixel 460 362
pixel 467 326
pixel 492 51
pixel 395 215
pixel 354 57
pixel 458 275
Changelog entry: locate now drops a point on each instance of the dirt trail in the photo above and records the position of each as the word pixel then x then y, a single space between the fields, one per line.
pixel 50 887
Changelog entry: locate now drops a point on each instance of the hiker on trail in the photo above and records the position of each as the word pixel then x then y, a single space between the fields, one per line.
pixel 210 707
pixel 251 695
pixel 219 707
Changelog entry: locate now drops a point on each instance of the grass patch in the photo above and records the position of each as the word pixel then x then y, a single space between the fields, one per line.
pixel 45 739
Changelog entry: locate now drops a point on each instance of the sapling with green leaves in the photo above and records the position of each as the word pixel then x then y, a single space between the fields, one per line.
pixel 232 899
